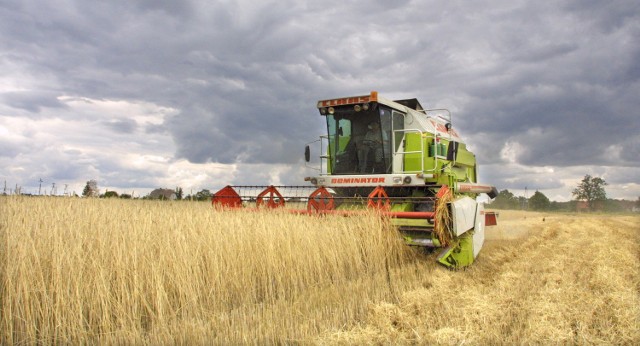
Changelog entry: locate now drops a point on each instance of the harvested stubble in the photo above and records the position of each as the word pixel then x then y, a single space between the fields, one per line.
pixel 140 272
pixel 568 280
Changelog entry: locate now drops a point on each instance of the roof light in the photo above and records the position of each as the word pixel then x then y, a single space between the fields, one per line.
pixel 357 108
pixel 331 110
pixel 365 106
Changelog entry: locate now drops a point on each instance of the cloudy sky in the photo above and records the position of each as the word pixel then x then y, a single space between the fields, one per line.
pixel 204 93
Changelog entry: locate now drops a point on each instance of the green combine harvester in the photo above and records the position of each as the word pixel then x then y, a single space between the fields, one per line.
pixel 394 156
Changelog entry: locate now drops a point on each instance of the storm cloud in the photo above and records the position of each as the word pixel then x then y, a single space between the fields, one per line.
pixel 196 92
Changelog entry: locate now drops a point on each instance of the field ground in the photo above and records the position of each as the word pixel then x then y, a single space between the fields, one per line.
pixel 144 272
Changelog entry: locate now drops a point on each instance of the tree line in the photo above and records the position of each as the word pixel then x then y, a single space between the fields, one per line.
pixel 91 190
pixel 589 195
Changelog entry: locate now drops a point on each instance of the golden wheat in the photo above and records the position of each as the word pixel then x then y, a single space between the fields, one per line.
pixel 145 272
pixel 85 271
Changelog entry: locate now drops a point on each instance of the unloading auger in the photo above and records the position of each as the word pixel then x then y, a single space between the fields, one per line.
pixel 405 161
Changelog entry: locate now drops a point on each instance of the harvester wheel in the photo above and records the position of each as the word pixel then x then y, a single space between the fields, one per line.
pixel 320 200
pixel 379 199
pixel 273 200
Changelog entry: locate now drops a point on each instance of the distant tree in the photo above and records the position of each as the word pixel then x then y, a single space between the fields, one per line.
pixel 555 205
pixel 91 189
pixel 125 196
pixel 203 195
pixel 179 193
pixel 539 201
pixel 591 190
pixel 505 200
pixel 521 203
pixel 110 194
pixel 638 202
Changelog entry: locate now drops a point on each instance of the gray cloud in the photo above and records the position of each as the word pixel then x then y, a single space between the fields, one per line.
pixel 557 81
pixel 122 125
pixel 31 101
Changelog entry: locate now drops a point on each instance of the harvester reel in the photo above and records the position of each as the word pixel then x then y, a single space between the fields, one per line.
pixel 320 200
pixel 379 199
pixel 273 198
pixel 227 197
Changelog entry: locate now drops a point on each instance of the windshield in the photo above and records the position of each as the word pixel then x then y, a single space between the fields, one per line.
pixel 360 141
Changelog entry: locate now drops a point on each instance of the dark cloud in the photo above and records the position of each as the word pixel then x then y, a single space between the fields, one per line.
pixel 558 82
pixel 31 101
pixel 122 126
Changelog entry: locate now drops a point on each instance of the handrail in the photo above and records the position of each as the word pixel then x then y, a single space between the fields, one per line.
pixel 403 153
pixel 324 157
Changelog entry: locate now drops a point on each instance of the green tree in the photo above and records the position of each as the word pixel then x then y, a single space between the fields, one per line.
pixel 109 194
pixel 203 195
pixel 539 201
pixel 591 190
pixel 505 200
pixel 179 193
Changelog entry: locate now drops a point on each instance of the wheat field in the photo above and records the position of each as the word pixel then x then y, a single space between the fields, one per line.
pixel 96 271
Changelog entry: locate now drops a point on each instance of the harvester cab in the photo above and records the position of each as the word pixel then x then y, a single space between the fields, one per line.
pixel 398 157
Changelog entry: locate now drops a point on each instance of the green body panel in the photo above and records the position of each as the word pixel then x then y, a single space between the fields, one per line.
pixel 460 255
pixel 411 223
pixel 412 238
pixel 435 162
pixel 413 142
pixel 402 206
pixel 465 157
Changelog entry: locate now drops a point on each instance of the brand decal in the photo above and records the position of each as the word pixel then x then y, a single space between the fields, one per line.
pixel 366 180
pixel 343 101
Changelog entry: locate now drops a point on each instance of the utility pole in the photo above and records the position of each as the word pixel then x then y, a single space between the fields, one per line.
pixel 54 191
pixel 40 187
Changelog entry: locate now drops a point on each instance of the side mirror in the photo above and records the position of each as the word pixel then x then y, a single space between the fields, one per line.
pixel 452 151
pixel 307 153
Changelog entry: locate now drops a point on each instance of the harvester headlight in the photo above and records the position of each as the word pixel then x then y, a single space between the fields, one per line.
pixel 397 180
pixel 407 180
pixel 365 106
pixel 357 108
pixel 314 181
pixel 323 111
pixel 331 110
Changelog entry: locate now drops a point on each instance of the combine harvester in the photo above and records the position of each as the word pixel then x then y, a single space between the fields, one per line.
pixel 407 162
